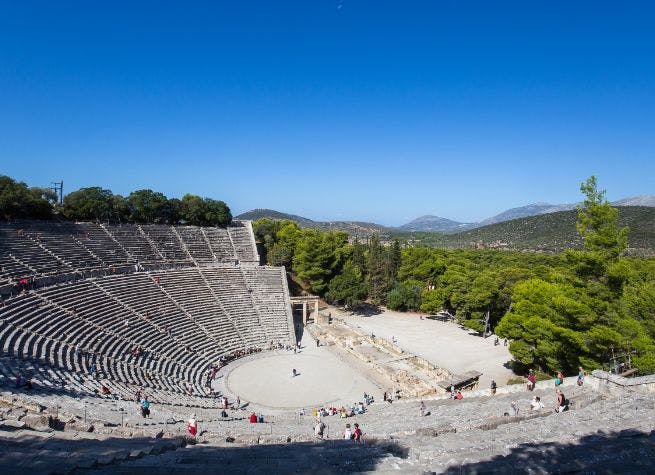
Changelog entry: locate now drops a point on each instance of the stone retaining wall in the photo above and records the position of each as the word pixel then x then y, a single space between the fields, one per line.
pixel 616 385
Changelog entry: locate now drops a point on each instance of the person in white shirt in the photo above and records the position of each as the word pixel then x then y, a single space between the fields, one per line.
pixel 536 404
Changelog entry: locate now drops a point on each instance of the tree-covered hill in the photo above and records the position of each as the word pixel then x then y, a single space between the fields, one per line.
pixel 353 228
pixel 545 232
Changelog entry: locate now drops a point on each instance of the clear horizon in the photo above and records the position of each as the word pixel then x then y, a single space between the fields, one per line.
pixel 333 110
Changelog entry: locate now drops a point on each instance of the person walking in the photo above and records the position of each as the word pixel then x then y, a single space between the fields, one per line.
pixel 493 387
pixel 581 376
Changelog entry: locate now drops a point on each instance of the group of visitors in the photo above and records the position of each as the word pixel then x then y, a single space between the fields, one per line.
pixel 355 433
pixel 456 394
pixel 256 419
pixel 236 354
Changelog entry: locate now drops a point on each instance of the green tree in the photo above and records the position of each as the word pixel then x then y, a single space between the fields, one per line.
pixel 19 201
pixel 92 203
pixel 47 194
pixel 147 206
pixel 204 211
pixel 377 272
pixel 393 261
pixel 318 257
pixel 405 296
pixel 119 208
pixel 598 223
pixel 348 287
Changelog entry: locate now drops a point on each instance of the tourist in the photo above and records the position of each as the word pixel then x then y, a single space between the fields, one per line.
pixel 493 387
pixel 348 434
pixel 515 408
pixel 192 425
pixel 536 404
pixel 532 380
pixel 294 373
pixel 562 402
pixel 459 395
pixel 318 343
pixel 253 418
pixel 357 433
pixel 581 376
pixel 421 409
pixel 104 390
pixel 559 379
pixel 319 429
pixel 223 413
pixel 145 407
pixel 238 403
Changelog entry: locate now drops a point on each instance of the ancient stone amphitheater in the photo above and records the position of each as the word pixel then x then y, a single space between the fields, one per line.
pixel 78 298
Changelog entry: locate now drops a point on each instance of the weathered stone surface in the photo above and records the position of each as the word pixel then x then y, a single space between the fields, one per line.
pixel 12 424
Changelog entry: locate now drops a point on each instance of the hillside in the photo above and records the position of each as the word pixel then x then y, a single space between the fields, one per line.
pixel 548 230
pixel 354 228
pixel 525 211
pixel 544 232
pixel 434 223
pixel 260 213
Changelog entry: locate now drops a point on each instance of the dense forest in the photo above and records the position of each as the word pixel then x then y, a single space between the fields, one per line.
pixel 559 311
pixel 18 201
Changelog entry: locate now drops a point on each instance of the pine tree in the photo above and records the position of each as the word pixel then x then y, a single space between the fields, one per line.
pixel 377 278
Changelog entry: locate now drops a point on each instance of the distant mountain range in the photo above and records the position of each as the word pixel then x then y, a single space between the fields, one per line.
pixel 431 223
pixel 552 232
pixel 438 224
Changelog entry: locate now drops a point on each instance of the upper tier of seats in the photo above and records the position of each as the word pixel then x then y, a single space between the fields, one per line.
pixel 49 248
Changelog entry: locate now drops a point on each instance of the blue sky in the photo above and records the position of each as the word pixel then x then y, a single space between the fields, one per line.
pixel 365 110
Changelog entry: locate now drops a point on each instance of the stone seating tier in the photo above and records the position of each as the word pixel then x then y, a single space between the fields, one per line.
pixel 47 248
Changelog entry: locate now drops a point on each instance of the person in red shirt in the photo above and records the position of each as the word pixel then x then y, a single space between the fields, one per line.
pixel 253 418
pixel 459 395
pixel 192 425
pixel 357 433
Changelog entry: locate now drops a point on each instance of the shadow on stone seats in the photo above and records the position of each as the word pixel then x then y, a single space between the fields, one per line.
pixel 626 451
pixel 158 456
